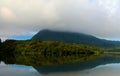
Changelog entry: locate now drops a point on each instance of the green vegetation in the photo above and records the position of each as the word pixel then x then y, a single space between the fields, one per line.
pixel 112 49
pixel 36 52
pixel 0 41
pixel 40 60
pixel 78 38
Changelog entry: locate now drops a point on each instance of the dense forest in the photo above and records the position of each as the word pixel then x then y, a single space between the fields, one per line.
pixel 0 41
pixel 36 60
pixel 45 47
pixel 48 52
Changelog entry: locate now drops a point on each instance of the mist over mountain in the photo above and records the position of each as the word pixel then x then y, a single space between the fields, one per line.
pixel 100 18
pixel 73 37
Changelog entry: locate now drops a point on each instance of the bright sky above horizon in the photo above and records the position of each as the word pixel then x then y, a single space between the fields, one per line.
pixel 21 19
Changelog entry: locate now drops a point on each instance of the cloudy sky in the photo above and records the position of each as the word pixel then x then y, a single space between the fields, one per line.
pixel 21 19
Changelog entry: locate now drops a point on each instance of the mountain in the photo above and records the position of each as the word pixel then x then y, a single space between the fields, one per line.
pixel 72 37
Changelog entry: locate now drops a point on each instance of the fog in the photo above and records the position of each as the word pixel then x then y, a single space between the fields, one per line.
pixel 26 17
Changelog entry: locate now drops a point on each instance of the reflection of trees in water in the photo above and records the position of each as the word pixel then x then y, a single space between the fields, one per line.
pixel 39 60
pixel 78 66
pixel 40 53
pixel 8 58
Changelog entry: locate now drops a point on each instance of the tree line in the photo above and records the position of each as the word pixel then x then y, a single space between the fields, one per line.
pixel 47 52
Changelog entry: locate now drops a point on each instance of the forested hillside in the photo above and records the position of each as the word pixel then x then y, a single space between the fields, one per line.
pixel 71 37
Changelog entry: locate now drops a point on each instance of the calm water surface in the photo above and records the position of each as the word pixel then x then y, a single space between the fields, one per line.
pixel 101 66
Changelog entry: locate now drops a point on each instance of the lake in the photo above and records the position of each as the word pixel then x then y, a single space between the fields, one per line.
pixel 106 65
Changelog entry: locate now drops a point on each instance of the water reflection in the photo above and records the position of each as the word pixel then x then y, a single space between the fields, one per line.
pixel 48 65
pixel 106 65
pixel 102 70
pixel 17 70
pixel 20 70
pixel 79 66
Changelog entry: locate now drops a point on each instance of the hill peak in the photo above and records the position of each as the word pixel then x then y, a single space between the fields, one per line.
pixel 73 37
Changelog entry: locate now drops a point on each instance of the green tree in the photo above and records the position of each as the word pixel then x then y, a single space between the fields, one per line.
pixel 0 41
pixel 0 44
pixel 48 52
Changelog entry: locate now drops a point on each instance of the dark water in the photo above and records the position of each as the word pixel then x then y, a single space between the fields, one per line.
pixel 107 65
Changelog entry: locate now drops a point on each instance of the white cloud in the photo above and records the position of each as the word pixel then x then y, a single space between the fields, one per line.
pixel 7 14
pixel 97 17
pixel 110 6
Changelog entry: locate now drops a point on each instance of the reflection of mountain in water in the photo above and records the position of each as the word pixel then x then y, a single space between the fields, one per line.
pixel 78 66
pixel 87 62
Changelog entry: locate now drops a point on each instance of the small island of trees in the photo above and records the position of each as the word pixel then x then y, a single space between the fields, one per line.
pixel 46 52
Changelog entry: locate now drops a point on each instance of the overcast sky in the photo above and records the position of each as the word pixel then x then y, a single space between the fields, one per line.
pixel 24 18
